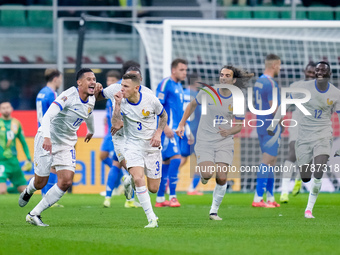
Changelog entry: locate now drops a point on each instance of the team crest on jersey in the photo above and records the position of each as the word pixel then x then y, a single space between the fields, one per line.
pixel 64 98
pixel 89 111
pixel 3 129
pixel 146 114
pixel 230 108
pixel 329 102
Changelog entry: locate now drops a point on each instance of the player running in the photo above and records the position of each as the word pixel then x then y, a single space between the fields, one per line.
pixel 214 141
pixel 142 150
pixel 293 132
pixel 45 98
pixel 55 141
pixel 315 133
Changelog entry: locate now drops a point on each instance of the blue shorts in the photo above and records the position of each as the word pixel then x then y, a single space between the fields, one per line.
pixel 186 149
pixel 270 144
pixel 107 144
pixel 171 146
pixel 114 157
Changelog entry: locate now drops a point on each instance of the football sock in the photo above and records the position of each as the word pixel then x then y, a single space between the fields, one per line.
pixel 270 185
pixel 173 175
pixel 111 180
pixel 118 179
pixel 196 179
pixel 286 176
pixel 144 199
pixel 51 197
pixel 262 176
pixel 30 187
pixel 313 193
pixel 52 179
pixel 164 179
pixel 218 195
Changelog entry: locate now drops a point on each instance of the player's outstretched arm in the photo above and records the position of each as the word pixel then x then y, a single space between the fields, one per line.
pixel 156 138
pixel 116 116
pixel 188 111
pixel 90 128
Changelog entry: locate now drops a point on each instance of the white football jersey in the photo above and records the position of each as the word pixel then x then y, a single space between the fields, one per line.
pixel 140 119
pixel 109 93
pixel 73 112
pixel 217 116
pixel 321 106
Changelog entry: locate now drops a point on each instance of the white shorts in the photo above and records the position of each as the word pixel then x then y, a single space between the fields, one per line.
pixel 220 152
pixel 305 151
pixel 119 144
pixel 62 157
pixel 151 161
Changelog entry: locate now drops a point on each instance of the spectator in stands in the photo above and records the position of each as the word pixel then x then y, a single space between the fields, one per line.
pixel 8 93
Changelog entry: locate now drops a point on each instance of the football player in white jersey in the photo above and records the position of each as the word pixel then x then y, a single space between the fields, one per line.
pixel 215 144
pixel 55 140
pixel 314 141
pixel 118 137
pixel 293 132
pixel 142 150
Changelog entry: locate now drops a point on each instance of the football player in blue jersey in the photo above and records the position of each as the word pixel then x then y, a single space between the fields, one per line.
pixel 170 93
pixel 44 99
pixel 189 138
pixel 263 93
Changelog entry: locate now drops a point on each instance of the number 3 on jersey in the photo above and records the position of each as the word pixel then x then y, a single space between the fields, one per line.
pixel 139 125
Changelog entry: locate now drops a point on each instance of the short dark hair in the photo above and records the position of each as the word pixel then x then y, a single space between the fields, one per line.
pixel 51 73
pixel 242 76
pixel 131 76
pixel 113 73
pixel 311 63
pixel 133 68
pixel 177 61
pixel 81 73
pixel 325 63
pixel 128 64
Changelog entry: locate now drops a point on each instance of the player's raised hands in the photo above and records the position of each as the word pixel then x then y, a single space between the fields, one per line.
pixel 179 131
pixel 47 144
pixel 97 90
pixel 118 97
pixel 88 137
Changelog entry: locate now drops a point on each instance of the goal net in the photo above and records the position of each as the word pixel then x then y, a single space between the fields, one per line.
pixel 208 45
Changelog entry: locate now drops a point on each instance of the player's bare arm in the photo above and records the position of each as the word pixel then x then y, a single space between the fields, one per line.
pixel 156 139
pixel 117 122
pixel 90 127
pixel 47 145
pixel 188 111
pixel 98 92
pixel 227 132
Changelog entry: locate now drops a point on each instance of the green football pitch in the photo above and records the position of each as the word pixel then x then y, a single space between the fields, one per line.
pixel 83 226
